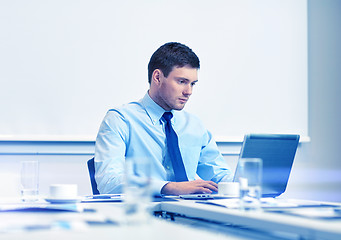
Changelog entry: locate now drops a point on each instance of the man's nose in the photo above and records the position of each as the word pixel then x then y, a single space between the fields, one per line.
pixel 188 90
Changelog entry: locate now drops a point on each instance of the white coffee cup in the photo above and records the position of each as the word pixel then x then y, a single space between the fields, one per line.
pixel 63 191
pixel 228 188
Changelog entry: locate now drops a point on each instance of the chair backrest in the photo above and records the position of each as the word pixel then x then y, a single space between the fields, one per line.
pixel 91 168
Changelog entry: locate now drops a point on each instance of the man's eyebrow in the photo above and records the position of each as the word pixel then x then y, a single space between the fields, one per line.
pixel 182 78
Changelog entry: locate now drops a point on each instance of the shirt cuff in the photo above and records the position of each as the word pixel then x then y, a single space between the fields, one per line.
pixel 156 186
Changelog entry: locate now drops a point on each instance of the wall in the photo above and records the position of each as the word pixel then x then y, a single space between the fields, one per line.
pixel 60 162
pixel 316 173
pixel 91 53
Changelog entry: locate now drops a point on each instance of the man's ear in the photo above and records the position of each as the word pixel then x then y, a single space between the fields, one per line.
pixel 157 76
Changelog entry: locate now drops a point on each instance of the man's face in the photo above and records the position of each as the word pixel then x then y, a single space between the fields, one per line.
pixel 175 89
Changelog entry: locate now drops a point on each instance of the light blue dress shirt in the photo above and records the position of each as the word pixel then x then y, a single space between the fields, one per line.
pixel 137 130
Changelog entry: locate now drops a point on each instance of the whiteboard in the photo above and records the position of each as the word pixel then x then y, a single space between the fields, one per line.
pixel 65 63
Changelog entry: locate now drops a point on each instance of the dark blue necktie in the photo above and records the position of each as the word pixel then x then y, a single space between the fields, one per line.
pixel 173 149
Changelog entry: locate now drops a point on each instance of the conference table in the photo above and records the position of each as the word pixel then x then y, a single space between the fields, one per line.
pixel 290 219
pixel 172 219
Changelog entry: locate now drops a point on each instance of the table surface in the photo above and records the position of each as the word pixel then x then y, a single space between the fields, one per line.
pixel 302 221
pixel 102 219
pixel 107 220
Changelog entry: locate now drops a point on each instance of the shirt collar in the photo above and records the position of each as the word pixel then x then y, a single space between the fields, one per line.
pixel 153 110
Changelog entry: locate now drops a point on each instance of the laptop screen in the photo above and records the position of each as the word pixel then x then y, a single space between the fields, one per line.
pixel 277 152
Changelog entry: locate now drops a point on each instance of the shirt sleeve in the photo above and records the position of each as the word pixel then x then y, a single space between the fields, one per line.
pixel 110 153
pixel 212 165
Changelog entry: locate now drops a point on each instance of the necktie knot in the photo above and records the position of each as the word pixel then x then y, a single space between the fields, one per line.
pixel 167 116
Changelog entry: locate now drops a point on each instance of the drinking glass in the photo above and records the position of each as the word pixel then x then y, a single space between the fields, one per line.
pixel 137 192
pixel 29 181
pixel 250 183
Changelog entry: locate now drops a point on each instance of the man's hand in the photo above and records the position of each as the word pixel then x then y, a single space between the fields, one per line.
pixel 197 186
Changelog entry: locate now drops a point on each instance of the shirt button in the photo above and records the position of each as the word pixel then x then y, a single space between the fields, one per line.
pixel 167 167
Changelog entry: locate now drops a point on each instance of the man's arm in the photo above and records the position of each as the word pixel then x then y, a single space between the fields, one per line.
pixel 212 165
pixel 110 153
pixel 196 186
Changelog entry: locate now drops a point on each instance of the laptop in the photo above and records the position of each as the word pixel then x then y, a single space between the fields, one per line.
pixel 277 152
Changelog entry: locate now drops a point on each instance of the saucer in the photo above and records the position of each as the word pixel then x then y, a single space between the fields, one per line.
pixel 63 200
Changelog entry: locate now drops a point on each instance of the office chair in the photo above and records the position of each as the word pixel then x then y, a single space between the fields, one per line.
pixel 91 168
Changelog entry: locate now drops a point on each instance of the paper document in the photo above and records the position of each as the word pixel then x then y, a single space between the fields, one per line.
pixel 40 207
pixel 267 203
pixel 104 198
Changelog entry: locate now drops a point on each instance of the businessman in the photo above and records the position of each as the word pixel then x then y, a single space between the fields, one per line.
pixel 184 157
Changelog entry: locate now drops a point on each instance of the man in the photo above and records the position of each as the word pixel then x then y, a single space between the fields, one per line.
pixel 139 130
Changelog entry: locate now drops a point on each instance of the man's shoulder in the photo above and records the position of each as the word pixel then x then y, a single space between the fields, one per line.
pixel 123 115
pixel 127 108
